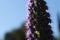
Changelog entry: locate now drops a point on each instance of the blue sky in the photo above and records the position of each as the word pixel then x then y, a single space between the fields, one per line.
pixel 13 13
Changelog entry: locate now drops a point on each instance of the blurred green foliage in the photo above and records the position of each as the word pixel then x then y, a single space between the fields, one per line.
pixel 18 34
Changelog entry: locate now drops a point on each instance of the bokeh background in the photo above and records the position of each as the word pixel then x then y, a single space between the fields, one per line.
pixel 13 14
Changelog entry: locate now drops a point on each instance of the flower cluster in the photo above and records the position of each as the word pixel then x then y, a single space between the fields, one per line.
pixel 37 25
